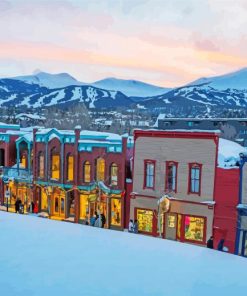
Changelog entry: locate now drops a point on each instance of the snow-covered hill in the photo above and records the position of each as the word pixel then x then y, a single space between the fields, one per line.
pixel 235 80
pixel 131 88
pixel 18 93
pixel 49 80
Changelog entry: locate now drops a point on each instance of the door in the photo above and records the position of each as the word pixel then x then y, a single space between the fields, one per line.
pixel 171 226
pixel 59 206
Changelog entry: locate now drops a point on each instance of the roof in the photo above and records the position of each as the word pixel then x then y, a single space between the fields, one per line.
pixel 228 153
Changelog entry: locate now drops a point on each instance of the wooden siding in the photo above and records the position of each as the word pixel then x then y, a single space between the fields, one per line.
pixel 184 151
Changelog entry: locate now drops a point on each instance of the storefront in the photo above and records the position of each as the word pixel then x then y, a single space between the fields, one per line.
pixel 15 191
pixel 145 219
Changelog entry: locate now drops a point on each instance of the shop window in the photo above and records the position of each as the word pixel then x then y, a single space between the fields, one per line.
pixel 55 168
pixel 149 171
pixel 44 201
pixel 87 172
pixel 179 223
pixel 195 178
pixel 171 176
pixel 41 165
pixel 100 169
pixel 116 212
pixel 194 228
pixel 171 221
pixel 70 168
pixel 145 220
pixel 114 174
pixel 84 207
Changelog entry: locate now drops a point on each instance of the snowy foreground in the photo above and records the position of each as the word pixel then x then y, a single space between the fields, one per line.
pixel 45 257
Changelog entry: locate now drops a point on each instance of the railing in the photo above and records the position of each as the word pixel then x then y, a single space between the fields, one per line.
pixel 20 174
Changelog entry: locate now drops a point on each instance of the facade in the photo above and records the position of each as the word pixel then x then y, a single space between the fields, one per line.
pixel 241 238
pixel 77 173
pixel 234 129
pixel 180 168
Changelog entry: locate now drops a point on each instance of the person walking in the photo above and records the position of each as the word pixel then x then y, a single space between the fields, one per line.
pixel 221 245
pixel 210 243
pixel 17 205
pixel 130 229
pixel 103 220
pixel 135 227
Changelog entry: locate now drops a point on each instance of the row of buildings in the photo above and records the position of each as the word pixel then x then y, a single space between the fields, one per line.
pixel 183 185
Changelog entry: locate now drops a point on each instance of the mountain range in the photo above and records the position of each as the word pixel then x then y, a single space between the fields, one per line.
pixel 205 96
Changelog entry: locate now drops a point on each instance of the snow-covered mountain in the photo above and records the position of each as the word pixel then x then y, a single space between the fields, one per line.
pixel 131 88
pixel 18 93
pixel 50 80
pixel 235 80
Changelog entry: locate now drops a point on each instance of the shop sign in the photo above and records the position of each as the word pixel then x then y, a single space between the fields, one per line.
pixel 7 194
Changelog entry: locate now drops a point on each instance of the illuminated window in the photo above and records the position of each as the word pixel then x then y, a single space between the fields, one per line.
pixel 145 220
pixel 114 174
pixel 171 176
pixel 70 168
pixel 194 228
pixel 24 161
pixel 171 221
pixel 44 200
pixel 100 169
pixel 195 178
pixel 179 226
pixel 115 212
pixel 41 166
pixel 55 167
pixel 149 168
pixel 87 172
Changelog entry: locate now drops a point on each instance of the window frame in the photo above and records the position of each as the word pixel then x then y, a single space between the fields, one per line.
pixel 67 168
pixel 55 153
pixel 168 163
pixel 86 163
pixel 146 163
pixel 111 166
pixel 191 166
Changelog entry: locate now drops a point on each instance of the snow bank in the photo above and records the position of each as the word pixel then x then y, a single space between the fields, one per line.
pixel 228 153
pixel 44 257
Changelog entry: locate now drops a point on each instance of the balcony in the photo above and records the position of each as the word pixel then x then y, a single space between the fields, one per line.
pixel 16 174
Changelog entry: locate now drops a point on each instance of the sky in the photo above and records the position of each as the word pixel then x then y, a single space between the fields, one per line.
pixel 163 42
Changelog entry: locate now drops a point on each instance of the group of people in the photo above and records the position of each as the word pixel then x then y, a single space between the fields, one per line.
pixel 210 244
pixel 19 207
pixel 133 226
pixel 98 220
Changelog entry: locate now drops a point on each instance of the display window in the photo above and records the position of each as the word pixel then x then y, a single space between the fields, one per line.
pixel 44 200
pixel 84 206
pixel 116 212
pixel 179 226
pixel 194 228
pixel 145 220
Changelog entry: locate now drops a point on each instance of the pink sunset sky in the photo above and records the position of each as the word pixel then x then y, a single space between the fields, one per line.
pixel 164 42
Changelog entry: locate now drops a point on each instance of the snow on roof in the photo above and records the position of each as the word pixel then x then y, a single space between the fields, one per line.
pixel 31 116
pixel 102 135
pixel 228 153
pixel 182 130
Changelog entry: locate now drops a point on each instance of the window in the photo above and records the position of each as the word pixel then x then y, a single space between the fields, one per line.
pixel 84 207
pixel 194 228
pixel 114 174
pixel 24 161
pixel 55 167
pixel 171 176
pixel 41 166
pixel 171 221
pixel 87 172
pixel 195 178
pixel 145 220
pixel 149 174
pixel 116 212
pixel 70 168
pixel 100 169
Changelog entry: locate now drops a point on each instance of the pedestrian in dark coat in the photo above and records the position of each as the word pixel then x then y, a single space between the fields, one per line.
pixel 221 245
pixel 210 243
pixel 103 220
pixel 17 205
pixel 135 226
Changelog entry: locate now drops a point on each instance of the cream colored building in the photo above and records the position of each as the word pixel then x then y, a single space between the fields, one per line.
pixel 181 166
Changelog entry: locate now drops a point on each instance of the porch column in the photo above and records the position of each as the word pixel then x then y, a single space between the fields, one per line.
pixel 77 205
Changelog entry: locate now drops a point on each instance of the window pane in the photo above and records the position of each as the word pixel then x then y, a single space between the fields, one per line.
pixel 55 174
pixel 115 212
pixel 194 228
pixel 87 172
pixel 114 174
pixel 100 169
pixel 70 168
pixel 41 166
pixel 171 221
pixel 84 207
pixel 145 220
